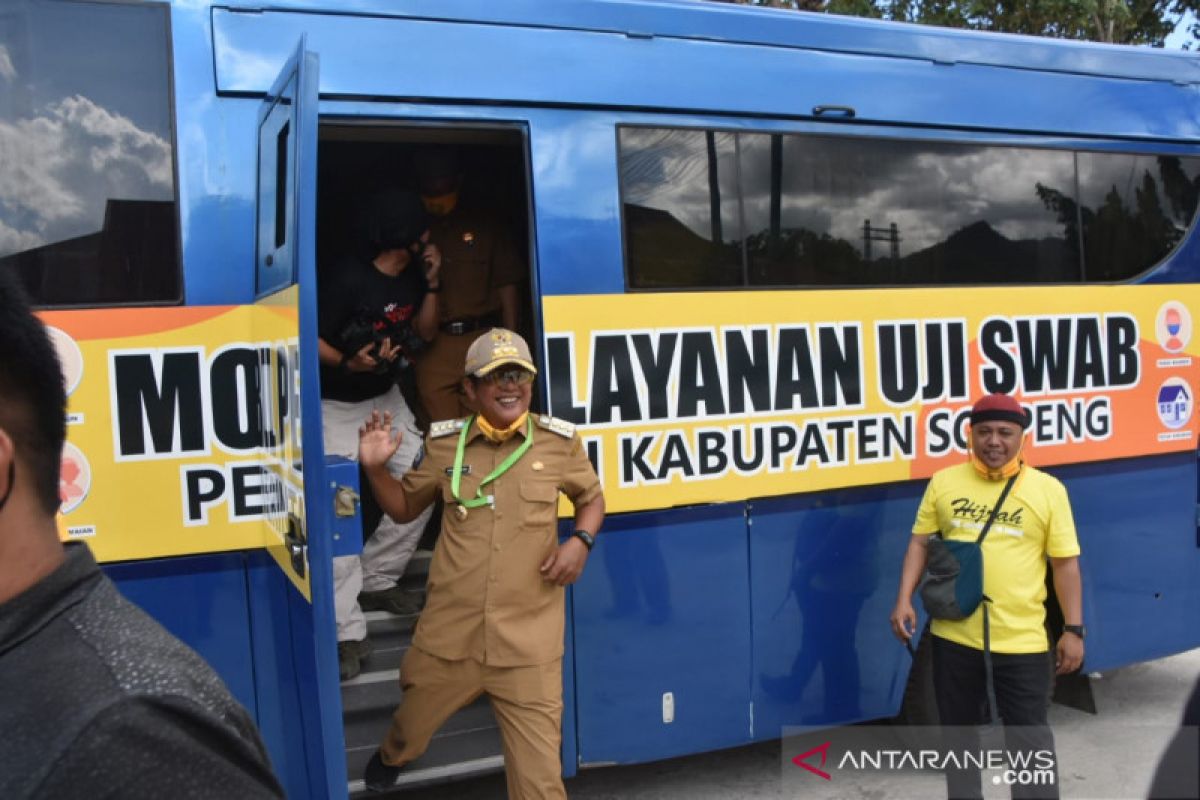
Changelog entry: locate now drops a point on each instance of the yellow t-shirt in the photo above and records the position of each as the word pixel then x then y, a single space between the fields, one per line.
pixel 1034 522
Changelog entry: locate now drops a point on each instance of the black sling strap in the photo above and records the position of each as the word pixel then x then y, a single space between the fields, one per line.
pixel 987 632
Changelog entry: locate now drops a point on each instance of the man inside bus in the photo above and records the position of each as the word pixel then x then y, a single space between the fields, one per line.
pixel 96 699
pixel 494 617
pixel 1033 524
pixel 481 272
pixel 376 312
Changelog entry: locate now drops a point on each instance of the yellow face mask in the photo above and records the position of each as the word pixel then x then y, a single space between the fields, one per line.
pixel 498 435
pixel 440 205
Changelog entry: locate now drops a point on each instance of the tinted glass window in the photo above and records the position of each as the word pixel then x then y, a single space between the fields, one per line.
pixel 87 188
pixel 845 211
pixel 1135 209
pixel 680 190
pixel 826 211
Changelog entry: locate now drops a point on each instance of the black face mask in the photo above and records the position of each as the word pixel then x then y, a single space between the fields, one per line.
pixel 12 474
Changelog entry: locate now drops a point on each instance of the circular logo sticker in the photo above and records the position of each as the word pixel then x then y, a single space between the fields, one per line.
pixel 75 478
pixel 1175 402
pixel 1173 326
pixel 69 356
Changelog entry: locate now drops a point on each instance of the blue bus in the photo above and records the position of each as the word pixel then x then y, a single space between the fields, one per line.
pixel 772 257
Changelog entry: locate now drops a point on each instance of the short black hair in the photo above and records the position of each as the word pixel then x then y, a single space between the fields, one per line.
pixel 33 401
pixel 437 162
pixel 395 219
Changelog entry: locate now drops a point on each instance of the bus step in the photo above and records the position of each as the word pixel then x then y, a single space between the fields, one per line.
pixel 419 777
pixel 467 744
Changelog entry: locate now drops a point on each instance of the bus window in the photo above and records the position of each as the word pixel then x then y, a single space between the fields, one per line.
pixel 680 191
pixel 1135 209
pixel 87 174
pixel 844 211
pixel 878 211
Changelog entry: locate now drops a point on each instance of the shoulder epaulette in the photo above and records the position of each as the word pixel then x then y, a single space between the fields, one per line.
pixel 556 425
pixel 445 427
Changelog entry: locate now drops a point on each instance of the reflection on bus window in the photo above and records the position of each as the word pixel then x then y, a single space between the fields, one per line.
pixel 1135 209
pixel 87 188
pixel 681 191
pixel 824 211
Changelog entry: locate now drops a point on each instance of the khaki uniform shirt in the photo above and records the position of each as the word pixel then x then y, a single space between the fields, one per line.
pixel 486 599
pixel 478 257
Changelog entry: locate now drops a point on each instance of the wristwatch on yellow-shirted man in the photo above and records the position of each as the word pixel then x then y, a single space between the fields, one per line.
pixel 1078 630
pixel 586 538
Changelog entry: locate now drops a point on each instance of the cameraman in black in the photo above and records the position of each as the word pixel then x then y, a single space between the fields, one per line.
pixel 377 309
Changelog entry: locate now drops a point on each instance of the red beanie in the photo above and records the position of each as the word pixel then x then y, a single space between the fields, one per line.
pixel 999 408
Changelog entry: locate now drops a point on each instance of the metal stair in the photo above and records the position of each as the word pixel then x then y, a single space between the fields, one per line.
pixel 468 744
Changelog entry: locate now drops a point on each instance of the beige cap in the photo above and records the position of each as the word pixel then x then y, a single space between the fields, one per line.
pixel 496 348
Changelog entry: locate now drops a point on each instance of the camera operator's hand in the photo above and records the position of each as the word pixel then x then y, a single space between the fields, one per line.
pixel 388 351
pixel 431 261
pixel 363 361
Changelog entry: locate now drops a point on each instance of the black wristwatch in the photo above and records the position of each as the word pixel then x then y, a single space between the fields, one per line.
pixel 1078 630
pixel 586 538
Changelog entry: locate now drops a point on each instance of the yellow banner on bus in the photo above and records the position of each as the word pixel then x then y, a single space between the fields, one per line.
pixel 183 428
pixel 704 397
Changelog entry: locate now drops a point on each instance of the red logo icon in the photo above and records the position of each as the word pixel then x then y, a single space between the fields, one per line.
pixel 823 749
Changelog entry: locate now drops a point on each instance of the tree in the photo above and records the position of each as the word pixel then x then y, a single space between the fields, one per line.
pixel 1144 22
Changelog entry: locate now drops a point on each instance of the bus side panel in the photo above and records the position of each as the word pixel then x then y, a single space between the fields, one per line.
pixel 1141 565
pixel 823 570
pixel 203 601
pixel 664 608
pixel 278 675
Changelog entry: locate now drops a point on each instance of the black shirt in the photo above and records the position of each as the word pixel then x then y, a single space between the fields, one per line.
pixel 356 304
pixel 97 701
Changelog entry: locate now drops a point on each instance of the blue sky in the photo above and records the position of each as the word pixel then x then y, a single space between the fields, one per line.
pixel 1175 40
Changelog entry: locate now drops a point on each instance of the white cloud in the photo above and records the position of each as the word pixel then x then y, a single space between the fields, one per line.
pixel 14 241
pixel 7 70
pixel 61 166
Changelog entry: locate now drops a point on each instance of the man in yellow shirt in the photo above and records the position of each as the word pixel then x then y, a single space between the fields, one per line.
pixel 1033 524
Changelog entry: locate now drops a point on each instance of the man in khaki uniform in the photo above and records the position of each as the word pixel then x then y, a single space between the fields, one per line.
pixel 494 616
pixel 480 275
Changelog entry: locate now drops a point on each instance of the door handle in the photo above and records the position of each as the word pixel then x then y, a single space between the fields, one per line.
pixel 834 111
pixel 297 543
pixel 345 502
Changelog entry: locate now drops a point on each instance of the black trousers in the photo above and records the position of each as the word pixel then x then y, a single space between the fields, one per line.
pixel 1023 684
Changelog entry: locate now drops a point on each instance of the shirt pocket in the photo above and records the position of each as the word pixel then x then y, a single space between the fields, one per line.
pixel 539 504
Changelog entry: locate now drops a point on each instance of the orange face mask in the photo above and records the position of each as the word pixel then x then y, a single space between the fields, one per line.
pixel 1006 471
pixel 441 204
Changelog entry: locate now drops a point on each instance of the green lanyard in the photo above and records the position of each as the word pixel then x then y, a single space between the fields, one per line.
pixel 480 499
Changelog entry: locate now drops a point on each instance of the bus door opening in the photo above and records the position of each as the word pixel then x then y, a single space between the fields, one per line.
pixel 473 181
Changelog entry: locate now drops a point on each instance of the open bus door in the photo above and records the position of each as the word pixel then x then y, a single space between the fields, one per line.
pixel 306 738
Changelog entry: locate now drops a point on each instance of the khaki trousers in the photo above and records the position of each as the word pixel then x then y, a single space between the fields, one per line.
pixel 440 374
pixel 527 702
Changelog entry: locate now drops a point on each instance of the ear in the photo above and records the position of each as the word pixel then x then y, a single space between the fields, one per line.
pixel 469 389
pixel 8 455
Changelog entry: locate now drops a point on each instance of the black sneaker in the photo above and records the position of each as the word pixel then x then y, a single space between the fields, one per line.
pixel 351 655
pixel 378 776
pixel 394 601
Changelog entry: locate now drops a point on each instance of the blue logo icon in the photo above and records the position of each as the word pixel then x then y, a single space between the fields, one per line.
pixel 1174 403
